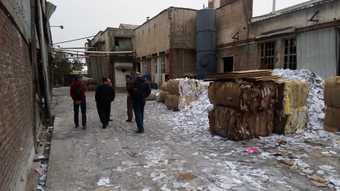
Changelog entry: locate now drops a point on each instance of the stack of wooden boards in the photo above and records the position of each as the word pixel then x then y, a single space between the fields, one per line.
pixel 332 100
pixel 178 93
pixel 252 104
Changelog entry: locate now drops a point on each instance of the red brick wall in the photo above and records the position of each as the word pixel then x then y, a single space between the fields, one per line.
pixel 16 108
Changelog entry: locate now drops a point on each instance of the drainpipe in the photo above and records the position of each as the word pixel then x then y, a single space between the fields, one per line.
pixel 44 57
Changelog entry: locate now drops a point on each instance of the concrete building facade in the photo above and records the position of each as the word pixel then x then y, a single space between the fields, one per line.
pixel 24 88
pixel 166 44
pixel 304 36
pixel 115 56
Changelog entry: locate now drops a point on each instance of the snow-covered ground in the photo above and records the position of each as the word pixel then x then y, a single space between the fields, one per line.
pixel 177 152
pixel 313 153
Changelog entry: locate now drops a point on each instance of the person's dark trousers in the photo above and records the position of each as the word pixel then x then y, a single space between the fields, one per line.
pixel 138 108
pixel 82 106
pixel 129 108
pixel 104 112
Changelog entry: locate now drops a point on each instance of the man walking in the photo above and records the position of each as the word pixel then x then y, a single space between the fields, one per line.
pixel 104 96
pixel 77 92
pixel 129 88
pixel 141 90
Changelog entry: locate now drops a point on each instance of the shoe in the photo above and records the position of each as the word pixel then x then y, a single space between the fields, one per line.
pixel 129 121
pixel 110 119
pixel 140 131
pixel 76 126
pixel 104 126
pixel 84 127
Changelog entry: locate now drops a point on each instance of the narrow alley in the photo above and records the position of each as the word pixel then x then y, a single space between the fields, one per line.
pixel 239 95
pixel 171 157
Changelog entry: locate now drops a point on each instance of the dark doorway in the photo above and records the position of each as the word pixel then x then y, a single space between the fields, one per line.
pixel 228 64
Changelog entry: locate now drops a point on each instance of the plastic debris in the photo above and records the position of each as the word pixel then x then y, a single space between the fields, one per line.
pixel 252 150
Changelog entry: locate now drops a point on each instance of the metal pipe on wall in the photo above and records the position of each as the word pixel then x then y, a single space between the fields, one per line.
pixel 44 57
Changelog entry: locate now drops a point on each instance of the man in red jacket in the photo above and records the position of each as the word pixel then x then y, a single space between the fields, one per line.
pixel 77 92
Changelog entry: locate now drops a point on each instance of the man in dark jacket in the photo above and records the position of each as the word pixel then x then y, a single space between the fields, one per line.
pixel 141 90
pixel 104 96
pixel 77 92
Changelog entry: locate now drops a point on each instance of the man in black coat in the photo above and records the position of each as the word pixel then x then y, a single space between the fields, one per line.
pixel 105 94
pixel 141 90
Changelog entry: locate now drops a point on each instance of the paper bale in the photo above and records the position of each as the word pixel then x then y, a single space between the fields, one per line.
pixel 173 87
pixel 226 94
pixel 162 96
pixel 172 102
pixel 332 92
pixel 332 120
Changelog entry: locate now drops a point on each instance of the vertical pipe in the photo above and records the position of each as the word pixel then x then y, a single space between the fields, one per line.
pixel 44 56
pixel 274 6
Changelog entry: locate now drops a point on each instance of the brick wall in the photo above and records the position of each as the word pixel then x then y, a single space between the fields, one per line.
pixel 16 108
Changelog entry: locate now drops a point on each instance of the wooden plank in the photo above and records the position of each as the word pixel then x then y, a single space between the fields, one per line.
pixel 240 75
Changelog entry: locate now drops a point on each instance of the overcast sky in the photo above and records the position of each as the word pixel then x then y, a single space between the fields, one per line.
pixel 86 17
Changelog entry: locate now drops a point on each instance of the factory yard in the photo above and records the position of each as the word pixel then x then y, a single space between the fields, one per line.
pixel 177 152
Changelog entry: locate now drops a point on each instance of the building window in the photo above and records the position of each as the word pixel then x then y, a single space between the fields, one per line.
pixel 290 54
pixel 163 64
pixel 116 43
pixel 268 55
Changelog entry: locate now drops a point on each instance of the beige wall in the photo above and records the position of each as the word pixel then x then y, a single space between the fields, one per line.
pixel 183 28
pixel 153 36
pixel 102 66
pixel 172 28
pixel 172 33
pixel 184 62
pixel 327 13
pixel 245 57
pixel 231 19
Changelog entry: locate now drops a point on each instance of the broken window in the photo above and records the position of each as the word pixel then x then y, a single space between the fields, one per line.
pixel 290 54
pixel 268 55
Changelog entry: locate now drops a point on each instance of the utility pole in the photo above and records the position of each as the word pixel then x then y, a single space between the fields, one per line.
pixel 274 6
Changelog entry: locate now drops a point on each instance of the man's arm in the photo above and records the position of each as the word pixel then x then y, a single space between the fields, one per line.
pixel 96 94
pixel 72 91
pixel 113 94
pixel 147 89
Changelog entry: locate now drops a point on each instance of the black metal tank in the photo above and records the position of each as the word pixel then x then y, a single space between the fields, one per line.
pixel 206 42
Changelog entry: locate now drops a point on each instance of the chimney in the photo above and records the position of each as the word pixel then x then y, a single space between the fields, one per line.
pixel 274 6
pixel 147 18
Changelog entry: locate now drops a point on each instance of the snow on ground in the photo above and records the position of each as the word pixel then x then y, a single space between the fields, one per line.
pixel 296 151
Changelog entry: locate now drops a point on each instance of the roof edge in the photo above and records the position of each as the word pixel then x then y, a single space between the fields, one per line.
pixel 165 10
pixel 291 9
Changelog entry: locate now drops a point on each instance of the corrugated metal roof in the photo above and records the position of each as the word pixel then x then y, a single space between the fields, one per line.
pixel 298 7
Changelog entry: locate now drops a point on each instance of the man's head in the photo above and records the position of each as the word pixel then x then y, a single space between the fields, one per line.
pixel 106 80
pixel 76 78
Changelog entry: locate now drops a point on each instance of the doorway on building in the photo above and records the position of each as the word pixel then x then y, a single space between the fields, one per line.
pixel 228 63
